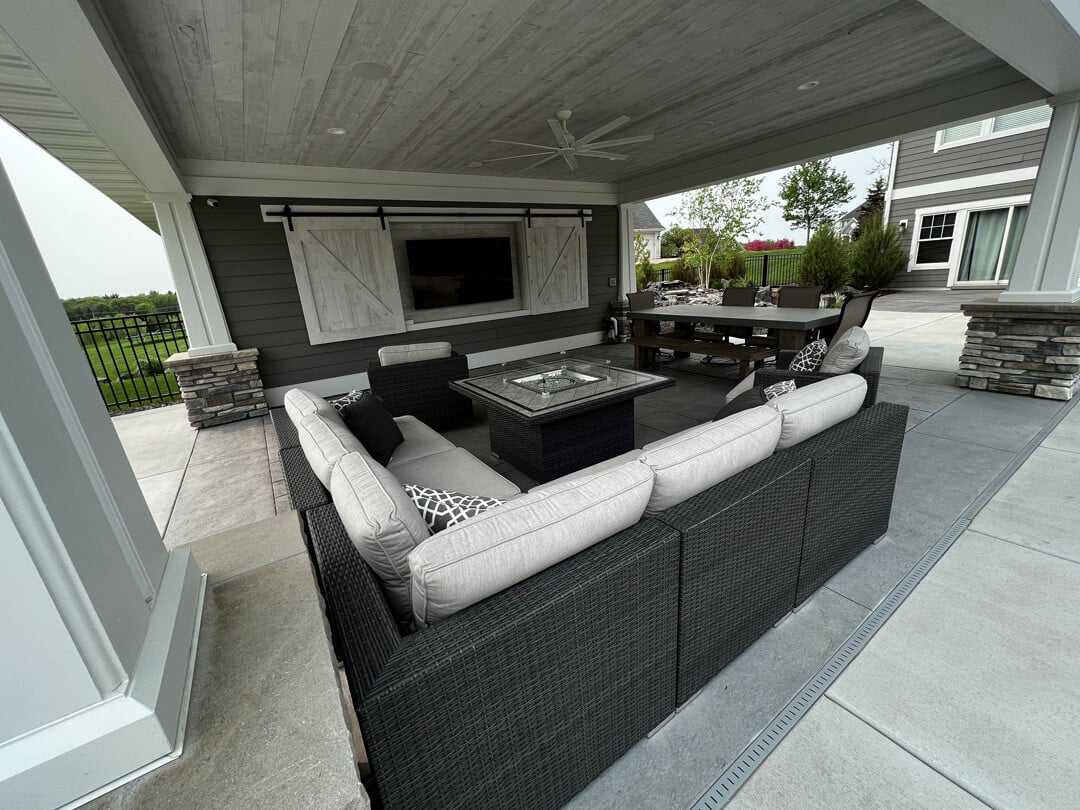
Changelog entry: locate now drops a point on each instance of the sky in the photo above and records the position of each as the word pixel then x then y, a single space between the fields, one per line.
pixel 859 167
pixel 91 246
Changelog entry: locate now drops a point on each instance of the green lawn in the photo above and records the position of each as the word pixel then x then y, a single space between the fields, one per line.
pixel 111 359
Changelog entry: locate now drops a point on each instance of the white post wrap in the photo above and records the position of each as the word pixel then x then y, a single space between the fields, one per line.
pixel 204 318
pixel 98 622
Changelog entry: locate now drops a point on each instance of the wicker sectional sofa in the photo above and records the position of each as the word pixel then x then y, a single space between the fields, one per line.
pixel 523 698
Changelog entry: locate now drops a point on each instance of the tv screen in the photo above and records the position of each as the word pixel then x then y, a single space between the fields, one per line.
pixel 456 272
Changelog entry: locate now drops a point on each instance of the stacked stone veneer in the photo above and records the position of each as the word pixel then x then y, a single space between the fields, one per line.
pixel 219 388
pixel 1031 349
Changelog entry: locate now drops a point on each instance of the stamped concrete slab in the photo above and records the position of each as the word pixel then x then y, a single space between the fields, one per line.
pixel 833 759
pixel 678 763
pixel 994 420
pixel 975 674
pixel 229 441
pixel 1039 507
pixel 876 571
pixel 930 398
pixel 160 493
pixel 156 441
pixel 237 551
pixel 1066 436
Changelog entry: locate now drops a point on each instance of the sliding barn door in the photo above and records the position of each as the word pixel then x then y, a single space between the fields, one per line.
pixel 558 271
pixel 346 276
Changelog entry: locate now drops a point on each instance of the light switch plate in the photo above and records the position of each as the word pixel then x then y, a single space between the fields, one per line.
pixel 612 281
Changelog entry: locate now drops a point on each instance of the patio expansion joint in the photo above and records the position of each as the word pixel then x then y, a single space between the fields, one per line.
pixel 179 487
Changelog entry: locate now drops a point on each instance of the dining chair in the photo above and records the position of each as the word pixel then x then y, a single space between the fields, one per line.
pixel 855 311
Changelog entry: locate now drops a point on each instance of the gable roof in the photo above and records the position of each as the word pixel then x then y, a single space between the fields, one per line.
pixel 645 219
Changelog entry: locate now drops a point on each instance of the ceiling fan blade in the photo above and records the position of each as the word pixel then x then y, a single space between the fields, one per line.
pixel 557 131
pixel 597 154
pixel 571 161
pixel 541 162
pixel 516 157
pixel 605 129
pixel 522 143
pixel 620 141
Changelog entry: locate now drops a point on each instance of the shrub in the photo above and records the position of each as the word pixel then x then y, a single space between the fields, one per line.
pixel 151 365
pixel 758 245
pixel 825 261
pixel 733 266
pixel 681 271
pixel 645 273
pixel 877 257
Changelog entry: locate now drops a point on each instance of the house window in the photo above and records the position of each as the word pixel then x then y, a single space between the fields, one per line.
pixel 991 240
pixel 935 238
pixel 1006 124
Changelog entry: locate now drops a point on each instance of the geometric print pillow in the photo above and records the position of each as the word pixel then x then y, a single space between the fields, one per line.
pixel 810 356
pixel 441 510
pixel 345 400
pixel 778 389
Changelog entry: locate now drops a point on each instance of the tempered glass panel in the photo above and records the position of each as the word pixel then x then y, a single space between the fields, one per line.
pixel 1021 118
pixel 961 132
pixel 1012 241
pixel 936 250
pixel 982 245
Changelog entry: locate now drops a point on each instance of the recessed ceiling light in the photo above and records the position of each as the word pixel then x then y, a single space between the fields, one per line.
pixel 335 131
pixel 371 70
pixel 476 164
pixel 808 85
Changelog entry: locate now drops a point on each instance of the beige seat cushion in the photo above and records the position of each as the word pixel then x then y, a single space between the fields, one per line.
pixel 413 353
pixel 813 408
pixel 847 352
pixel 300 403
pixel 382 522
pixel 324 439
pixel 418 440
pixel 690 462
pixel 454 470
pixel 509 543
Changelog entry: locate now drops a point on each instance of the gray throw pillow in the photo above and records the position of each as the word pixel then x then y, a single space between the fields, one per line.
pixel 847 352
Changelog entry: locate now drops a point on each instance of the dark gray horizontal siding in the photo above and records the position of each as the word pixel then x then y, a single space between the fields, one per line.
pixel 250 262
pixel 918 163
pixel 905 209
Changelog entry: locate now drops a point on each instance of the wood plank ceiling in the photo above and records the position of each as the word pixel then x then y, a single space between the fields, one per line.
pixel 33 106
pixel 262 80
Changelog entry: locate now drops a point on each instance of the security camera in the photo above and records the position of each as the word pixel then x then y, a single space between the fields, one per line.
pixel 213 203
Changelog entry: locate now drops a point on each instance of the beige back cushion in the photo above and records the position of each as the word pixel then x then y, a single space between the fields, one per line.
pixel 694 460
pixel 507 544
pixel 412 353
pixel 847 352
pixel 324 439
pixel 813 408
pixel 382 522
pixel 300 403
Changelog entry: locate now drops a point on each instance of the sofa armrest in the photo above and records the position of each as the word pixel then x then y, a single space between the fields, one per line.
pixel 284 428
pixel 305 489
pixel 535 689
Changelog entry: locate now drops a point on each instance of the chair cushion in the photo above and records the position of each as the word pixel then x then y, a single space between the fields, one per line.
pixel 811 409
pixel 419 441
pixel 809 357
pixel 382 522
pixel 690 462
pixel 505 545
pixel 413 353
pixel 300 403
pixel 324 440
pixel 455 470
pixel 441 510
pixel 847 352
pixel 368 419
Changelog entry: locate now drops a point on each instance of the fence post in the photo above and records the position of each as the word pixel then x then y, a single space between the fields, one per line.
pixel 764 269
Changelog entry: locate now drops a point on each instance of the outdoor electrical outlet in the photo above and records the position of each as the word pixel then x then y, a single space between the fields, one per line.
pixel 612 281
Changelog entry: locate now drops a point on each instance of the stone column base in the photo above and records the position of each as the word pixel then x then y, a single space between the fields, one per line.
pixel 1028 349
pixel 219 388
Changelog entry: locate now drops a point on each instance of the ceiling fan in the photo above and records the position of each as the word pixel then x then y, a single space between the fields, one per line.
pixel 570 148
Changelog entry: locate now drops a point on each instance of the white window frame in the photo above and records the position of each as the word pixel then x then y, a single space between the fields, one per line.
pixel 986 133
pixel 962 211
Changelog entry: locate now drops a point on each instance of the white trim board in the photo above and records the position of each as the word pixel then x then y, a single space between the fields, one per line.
pixel 965 183
pixel 328 386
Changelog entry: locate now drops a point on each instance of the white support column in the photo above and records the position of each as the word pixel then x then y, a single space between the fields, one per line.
pixel 204 318
pixel 1048 260
pixel 627 268
pixel 98 622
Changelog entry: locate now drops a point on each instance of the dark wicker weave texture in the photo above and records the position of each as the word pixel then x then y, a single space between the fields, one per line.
pixel 523 699
pixel 422 389
pixel 851 490
pixel 286 430
pixel 870 369
pixel 305 490
pixel 739 564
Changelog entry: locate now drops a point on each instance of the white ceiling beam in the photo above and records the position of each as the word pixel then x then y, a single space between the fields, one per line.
pixel 73 50
pixel 974 95
pixel 1040 38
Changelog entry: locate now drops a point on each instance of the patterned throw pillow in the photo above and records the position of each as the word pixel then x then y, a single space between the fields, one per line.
pixel 342 402
pixel 810 356
pixel 441 510
pixel 778 389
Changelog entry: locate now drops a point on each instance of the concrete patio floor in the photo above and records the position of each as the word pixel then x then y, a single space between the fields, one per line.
pixel 225 478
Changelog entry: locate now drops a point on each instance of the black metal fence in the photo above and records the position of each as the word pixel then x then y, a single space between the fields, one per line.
pixel 774 269
pixel 127 355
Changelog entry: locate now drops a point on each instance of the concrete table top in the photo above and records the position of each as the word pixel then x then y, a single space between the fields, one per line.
pixel 792 318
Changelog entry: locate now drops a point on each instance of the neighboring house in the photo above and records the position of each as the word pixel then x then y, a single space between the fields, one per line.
pixel 650 228
pixel 845 225
pixel 960 197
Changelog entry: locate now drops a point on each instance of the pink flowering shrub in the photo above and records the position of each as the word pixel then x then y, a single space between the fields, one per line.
pixel 768 244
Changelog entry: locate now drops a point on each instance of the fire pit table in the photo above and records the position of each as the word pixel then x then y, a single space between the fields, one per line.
pixel 550 419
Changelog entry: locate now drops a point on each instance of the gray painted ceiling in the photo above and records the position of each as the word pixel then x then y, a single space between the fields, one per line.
pixel 262 81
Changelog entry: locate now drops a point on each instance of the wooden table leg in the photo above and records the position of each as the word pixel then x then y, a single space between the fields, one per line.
pixel 791 339
pixel 744 368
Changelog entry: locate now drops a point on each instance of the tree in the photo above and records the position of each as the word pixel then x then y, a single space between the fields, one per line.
pixel 720 218
pixel 825 262
pixel 877 257
pixel 812 193
pixel 872 212
pixel 673 241
pixel 641 250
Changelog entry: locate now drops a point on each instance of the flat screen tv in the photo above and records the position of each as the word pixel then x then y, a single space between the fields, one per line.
pixel 457 272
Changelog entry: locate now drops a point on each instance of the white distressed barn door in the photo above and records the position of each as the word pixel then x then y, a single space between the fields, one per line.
pixel 346 276
pixel 558 270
